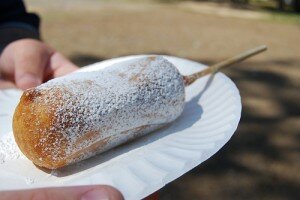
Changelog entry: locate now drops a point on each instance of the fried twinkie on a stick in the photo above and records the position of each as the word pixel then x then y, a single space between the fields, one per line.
pixel 74 117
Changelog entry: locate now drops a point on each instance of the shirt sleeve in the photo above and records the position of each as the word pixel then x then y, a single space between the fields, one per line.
pixel 16 23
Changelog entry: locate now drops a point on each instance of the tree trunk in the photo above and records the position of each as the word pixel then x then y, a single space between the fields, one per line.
pixel 281 5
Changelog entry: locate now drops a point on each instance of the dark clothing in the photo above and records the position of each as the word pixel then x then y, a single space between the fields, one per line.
pixel 16 23
pixel 14 11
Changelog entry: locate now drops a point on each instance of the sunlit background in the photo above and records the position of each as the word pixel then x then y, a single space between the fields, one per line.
pixel 262 160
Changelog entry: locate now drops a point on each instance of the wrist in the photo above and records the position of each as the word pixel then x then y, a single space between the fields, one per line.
pixel 13 31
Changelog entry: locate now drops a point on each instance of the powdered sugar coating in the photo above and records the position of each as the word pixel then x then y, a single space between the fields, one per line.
pixel 9 150
pixel 109 107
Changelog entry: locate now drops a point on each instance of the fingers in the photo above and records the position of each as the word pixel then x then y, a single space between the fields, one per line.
pixel 30 62
pixel 102 192
pixel 6 84
pixel 58 66
pixel 66 193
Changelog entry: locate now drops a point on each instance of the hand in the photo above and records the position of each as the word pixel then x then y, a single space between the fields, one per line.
pixel 65 193
pixel 27 63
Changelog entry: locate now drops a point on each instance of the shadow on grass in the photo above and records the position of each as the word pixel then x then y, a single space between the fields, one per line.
pixel 82 60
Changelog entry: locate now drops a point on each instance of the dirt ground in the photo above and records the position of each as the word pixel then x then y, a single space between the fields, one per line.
pixel 262 160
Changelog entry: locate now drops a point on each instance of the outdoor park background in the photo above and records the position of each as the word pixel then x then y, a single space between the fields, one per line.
pixel 262 160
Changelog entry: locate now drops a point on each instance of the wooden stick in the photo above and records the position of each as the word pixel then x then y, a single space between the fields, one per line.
pixel 189 79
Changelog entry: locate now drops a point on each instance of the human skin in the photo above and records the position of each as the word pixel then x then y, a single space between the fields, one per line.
pixel 97 192
pixel 27 63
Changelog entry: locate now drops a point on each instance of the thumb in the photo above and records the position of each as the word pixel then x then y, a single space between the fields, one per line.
pixel 30 65
pixel 66 193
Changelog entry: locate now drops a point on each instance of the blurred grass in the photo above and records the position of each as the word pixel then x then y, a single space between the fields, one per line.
pixel 268 7
pixel 284 17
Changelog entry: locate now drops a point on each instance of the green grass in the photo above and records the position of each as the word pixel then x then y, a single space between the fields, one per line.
pixel 285 17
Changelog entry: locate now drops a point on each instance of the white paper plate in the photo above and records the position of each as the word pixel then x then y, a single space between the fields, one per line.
pixel 137 169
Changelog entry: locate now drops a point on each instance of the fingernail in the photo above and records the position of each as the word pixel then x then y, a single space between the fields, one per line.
pixel 28 81
pixel 96 194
